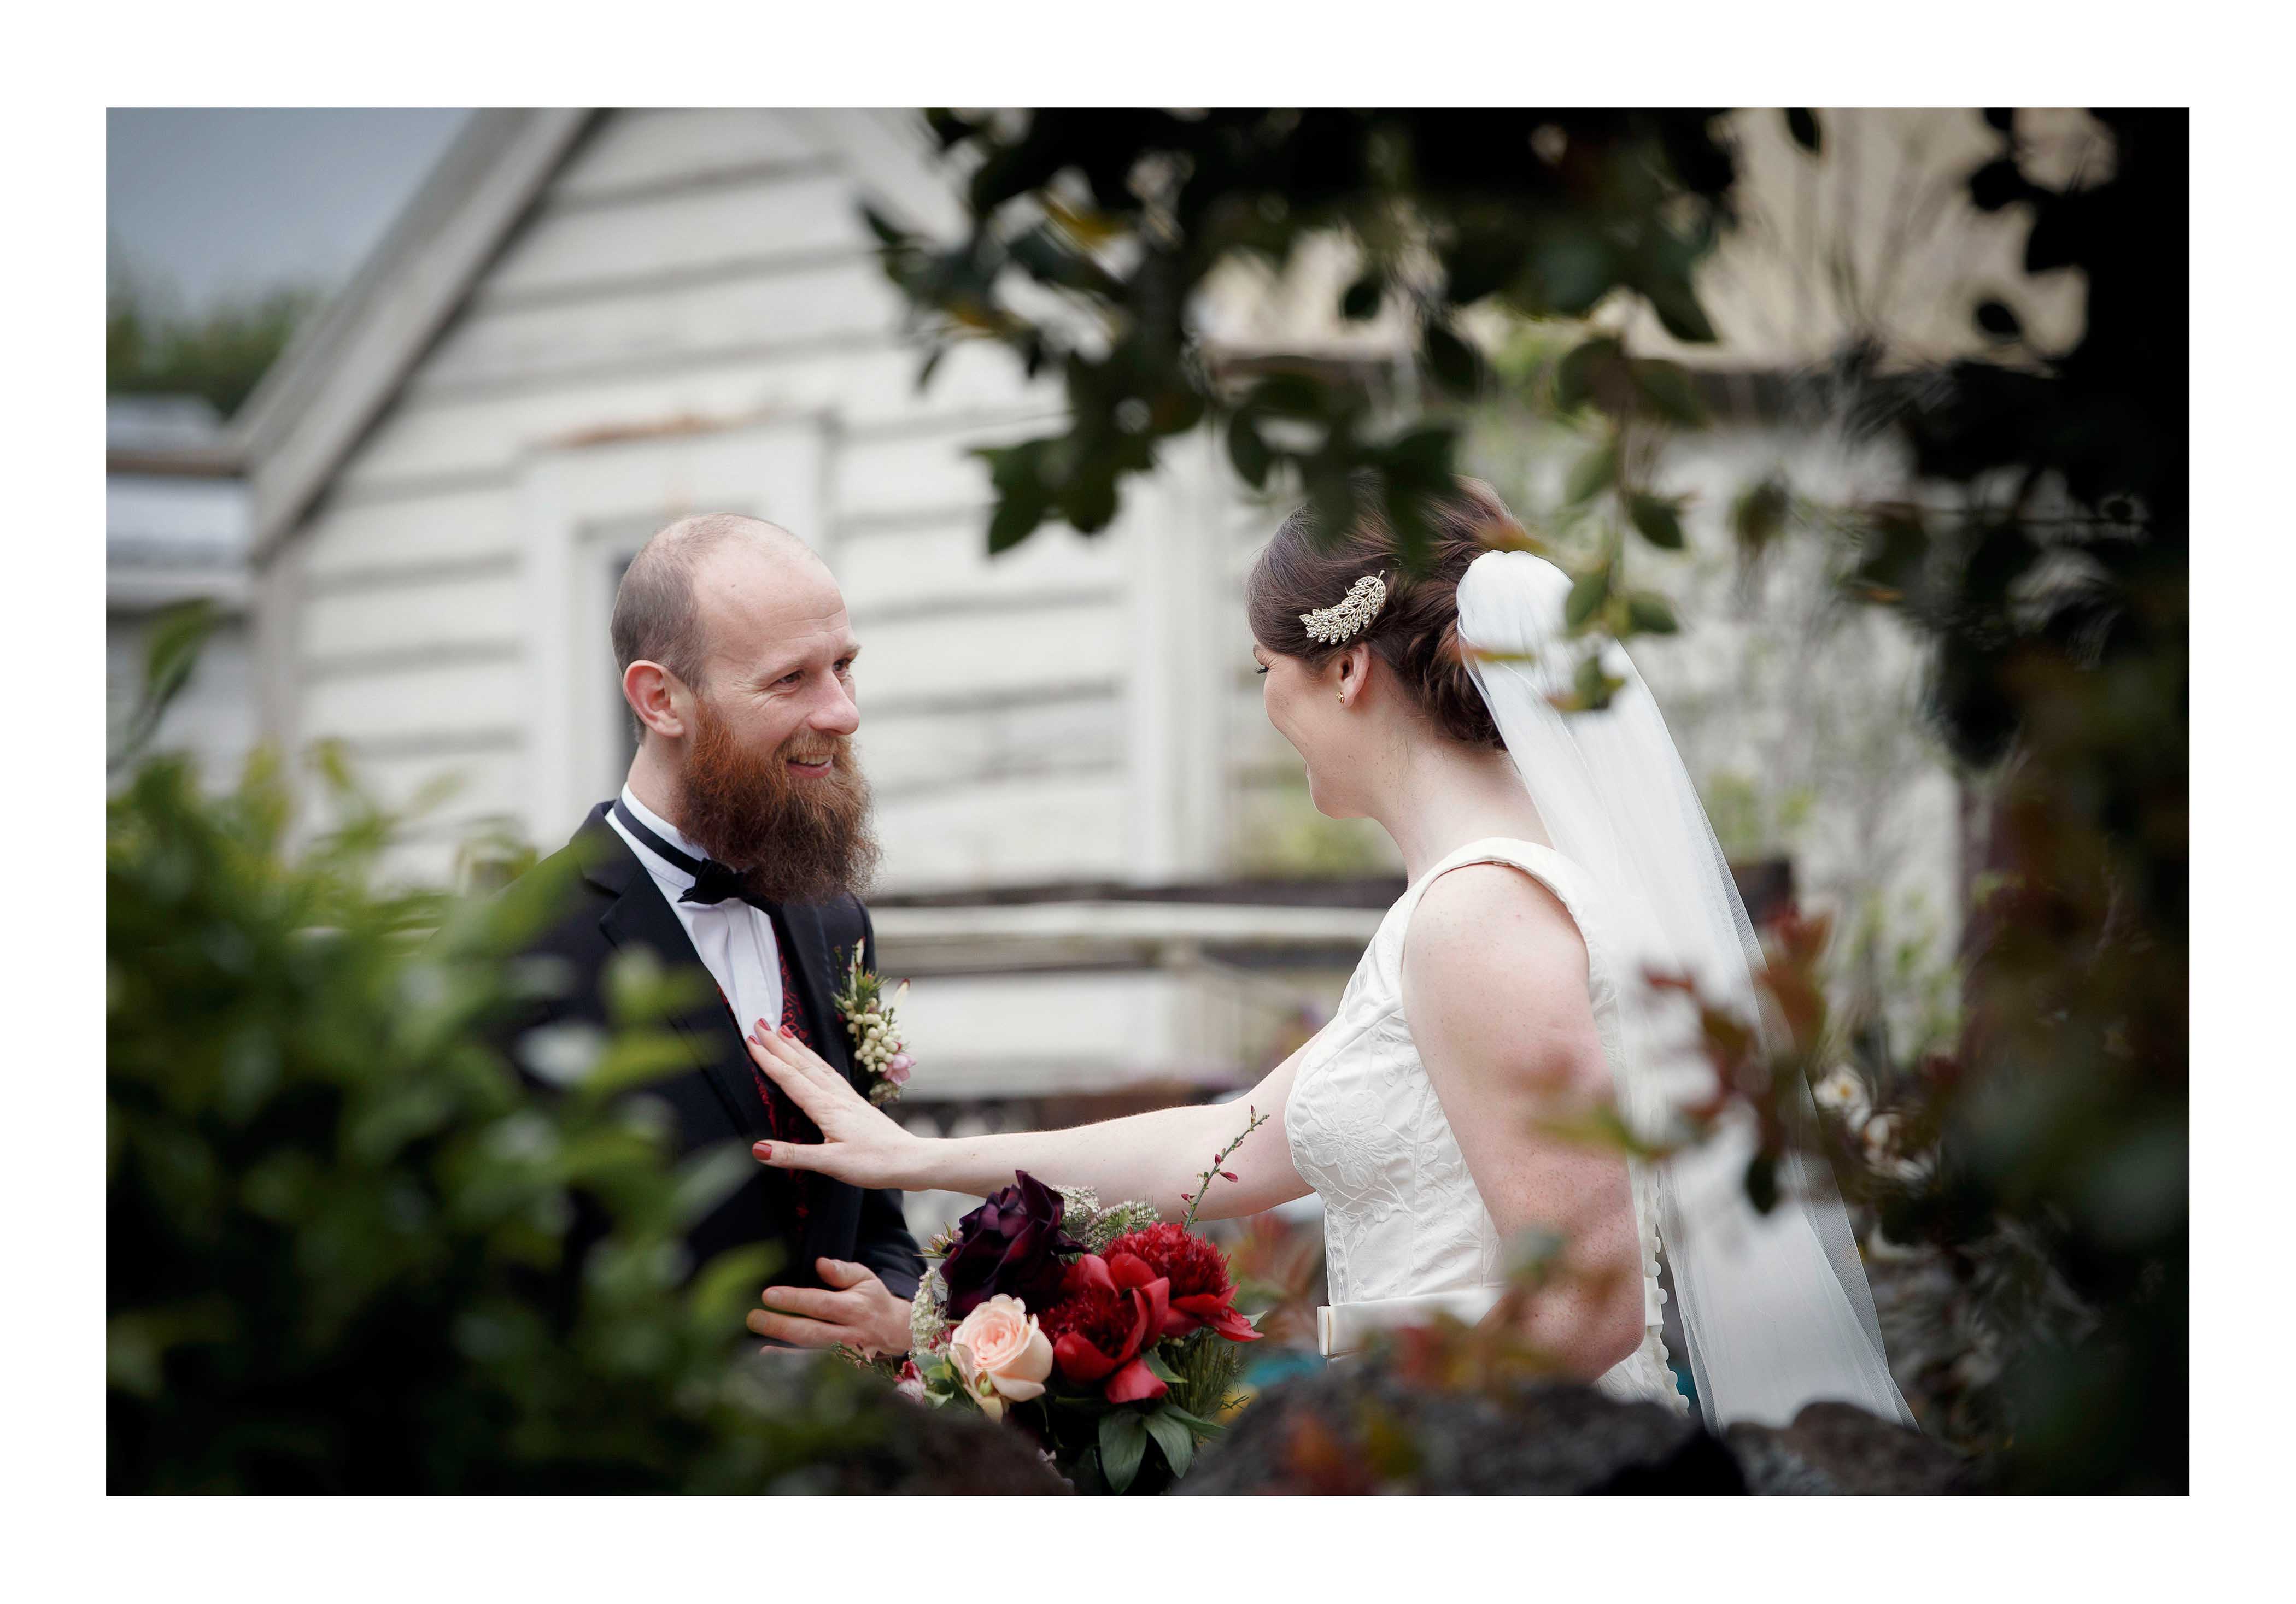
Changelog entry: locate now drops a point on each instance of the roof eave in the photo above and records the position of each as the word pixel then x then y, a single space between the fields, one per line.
pixel 339 373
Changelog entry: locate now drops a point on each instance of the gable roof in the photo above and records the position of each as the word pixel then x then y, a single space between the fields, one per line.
pixel 337 375
pixel 335 378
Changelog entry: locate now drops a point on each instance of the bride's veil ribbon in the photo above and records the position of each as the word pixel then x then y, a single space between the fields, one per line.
pixel 1774 1307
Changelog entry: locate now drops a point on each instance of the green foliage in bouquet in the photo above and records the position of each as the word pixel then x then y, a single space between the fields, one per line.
pixel 1093 236
pixel 350 1248
pixel 1201 1369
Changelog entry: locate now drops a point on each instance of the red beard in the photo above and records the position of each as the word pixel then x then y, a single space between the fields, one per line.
pixel 798 840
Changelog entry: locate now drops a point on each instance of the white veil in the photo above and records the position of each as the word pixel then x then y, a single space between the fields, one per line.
pixel 1774 1307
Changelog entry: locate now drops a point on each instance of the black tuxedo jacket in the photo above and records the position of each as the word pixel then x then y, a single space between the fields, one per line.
pixel 616 905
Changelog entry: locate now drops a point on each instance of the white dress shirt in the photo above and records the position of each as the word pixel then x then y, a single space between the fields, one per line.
pixel 734 940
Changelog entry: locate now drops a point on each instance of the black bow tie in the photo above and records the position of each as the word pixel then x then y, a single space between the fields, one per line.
pixel 713 881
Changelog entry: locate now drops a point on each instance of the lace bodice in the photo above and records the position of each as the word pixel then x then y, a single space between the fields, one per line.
pixel 1402 1217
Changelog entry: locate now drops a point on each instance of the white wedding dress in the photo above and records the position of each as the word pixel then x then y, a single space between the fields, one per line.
pixel 1406 1231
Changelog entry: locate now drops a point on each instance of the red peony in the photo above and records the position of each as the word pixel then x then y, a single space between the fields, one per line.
pixel 1201 1294
pixel 1110 1310
pixel 1191 1263
pixel 1103 1316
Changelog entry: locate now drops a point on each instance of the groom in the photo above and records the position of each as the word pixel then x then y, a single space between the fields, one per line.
pixel 736 847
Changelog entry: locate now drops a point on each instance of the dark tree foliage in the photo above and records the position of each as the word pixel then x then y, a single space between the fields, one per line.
pixel 151 349
pixel 2056 594
pixel 2040 550
pixel 1091 234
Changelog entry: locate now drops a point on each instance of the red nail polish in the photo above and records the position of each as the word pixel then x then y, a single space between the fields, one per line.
pixel 788 1032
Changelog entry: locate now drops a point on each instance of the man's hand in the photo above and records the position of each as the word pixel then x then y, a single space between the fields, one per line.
pixel 857 1311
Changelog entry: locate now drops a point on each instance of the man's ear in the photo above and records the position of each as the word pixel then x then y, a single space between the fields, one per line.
pixel 657 696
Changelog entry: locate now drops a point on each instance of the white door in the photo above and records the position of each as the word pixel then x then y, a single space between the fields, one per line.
pixel 586 510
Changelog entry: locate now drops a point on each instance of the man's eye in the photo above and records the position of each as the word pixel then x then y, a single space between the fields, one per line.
pixel 791 678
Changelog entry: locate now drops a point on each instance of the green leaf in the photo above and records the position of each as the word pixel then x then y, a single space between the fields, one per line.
pixel 1593 473
pixel 1123 1443
pixel 1176 411
pixel 728 1285
pixel 638 1058
pixel 1660 521
pixel 1650 614
pixel 1160 1370
pixel 1577 374
pixel 1759 514
pixel 1177 1441
pixel 1678 308
pixel 1666 386
pixel 1803 124
pixel 707 1179
pixel 888 234
pixel 1896 550
pixel 1016 518
pixel 1455 364
pixel 1588 596
pixel 1089 502
pixel 1362 299
pixel 1289 396
pixel 1193 1422
pixel 1762 1182
pixel 1248 451
pixel 1421 458
pixel 931 364
pixel 178 635
pixel 1593 687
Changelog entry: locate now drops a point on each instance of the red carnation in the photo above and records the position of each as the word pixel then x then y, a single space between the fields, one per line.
pixel 1110 1311
pixel 1201 1294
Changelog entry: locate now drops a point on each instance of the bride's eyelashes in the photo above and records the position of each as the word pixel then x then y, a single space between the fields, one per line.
pixel 1261 669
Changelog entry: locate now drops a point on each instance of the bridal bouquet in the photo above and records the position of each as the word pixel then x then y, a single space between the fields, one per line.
pixel 1100 1331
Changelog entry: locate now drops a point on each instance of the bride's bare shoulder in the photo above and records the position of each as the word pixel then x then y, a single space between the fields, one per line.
pixel 1486 921
pixel 1495 981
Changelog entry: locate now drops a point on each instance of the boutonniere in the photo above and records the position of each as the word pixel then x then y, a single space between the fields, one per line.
pixel 868 1015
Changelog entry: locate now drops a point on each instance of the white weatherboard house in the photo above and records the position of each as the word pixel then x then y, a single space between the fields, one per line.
pixel 174 530
pixel 590 323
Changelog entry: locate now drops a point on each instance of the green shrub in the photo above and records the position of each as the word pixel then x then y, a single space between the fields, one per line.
pixel 348 1248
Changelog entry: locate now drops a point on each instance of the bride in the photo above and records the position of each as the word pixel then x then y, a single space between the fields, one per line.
pixel 1552 859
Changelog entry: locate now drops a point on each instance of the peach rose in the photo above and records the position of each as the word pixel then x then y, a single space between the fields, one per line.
pixel 1000 1354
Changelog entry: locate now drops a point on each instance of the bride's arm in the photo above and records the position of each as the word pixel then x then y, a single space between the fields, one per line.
pixel 1154 1157
pixel 1495 990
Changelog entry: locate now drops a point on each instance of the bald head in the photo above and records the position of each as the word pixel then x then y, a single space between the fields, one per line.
pixel 658 616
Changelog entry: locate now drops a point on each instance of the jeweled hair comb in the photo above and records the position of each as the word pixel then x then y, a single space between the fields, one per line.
pixel 1349 616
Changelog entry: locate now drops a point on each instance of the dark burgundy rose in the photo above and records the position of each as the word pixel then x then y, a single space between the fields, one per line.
pixel 1012 1243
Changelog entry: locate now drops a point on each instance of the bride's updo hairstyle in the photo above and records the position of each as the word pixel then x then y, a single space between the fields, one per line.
pixel 1416 633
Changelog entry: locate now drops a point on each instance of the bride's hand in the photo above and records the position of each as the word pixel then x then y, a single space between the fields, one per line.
pixel 859 1144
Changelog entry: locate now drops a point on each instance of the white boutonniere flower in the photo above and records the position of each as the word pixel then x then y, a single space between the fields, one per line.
pixel 870 1021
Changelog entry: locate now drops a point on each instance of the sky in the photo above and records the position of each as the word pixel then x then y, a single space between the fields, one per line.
pixel 211 205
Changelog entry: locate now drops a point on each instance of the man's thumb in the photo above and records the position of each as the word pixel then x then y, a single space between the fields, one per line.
pixel 841 1275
